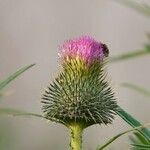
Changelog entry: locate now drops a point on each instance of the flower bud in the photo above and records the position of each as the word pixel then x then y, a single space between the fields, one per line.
pixel 80 93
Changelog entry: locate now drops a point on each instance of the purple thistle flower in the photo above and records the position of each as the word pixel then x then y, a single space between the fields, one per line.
pixel 84 48
pixel 80 94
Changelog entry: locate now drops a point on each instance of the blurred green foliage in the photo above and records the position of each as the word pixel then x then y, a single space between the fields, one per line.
pixel 134 54
pixel 141 139
pixel 6 137
pixel 136 88
pixel 119 135
pixel 5 82
pixel 139 6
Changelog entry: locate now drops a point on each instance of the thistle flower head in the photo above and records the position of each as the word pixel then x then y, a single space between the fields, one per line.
pixel 84 48
pixel 80 94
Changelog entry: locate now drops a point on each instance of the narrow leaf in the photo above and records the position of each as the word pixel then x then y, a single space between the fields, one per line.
pixel 129 55
pixel 138 138
pixel 133 122
pixel 136 88
pixel 15 112
pixel 119 135
pixel 138 6
pixel 14 75
pixel 141 146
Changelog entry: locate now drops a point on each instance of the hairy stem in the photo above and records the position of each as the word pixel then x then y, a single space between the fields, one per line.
pixel 76 136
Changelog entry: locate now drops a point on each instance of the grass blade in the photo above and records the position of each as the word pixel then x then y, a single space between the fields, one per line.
pixel 14 75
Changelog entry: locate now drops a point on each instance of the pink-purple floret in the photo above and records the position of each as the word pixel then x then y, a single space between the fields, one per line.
pixel 85 48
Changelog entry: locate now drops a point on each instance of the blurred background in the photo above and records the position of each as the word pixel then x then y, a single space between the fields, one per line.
pixel 31 31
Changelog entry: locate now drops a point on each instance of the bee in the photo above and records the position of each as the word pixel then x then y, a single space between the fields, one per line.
pixel 105 50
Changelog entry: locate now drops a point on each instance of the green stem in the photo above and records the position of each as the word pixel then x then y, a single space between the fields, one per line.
pixel 76 136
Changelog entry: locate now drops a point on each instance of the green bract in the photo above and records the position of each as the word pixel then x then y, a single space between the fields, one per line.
pixel 80 94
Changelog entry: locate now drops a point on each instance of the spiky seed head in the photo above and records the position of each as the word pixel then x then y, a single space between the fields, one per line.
pixel 80 93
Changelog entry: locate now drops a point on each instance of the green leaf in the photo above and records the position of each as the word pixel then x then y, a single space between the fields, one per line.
pixel 141 146
pixel 119 135
pixel 134 139
pixel 14 75
pixel 134 54
pixel 15 112
pixel 138 6
pixel 138 138
pixel 129 55
pixel 133 122
pixel 136 88
pixel 1 95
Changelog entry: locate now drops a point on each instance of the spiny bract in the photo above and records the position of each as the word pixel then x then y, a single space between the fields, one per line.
pixel 80 93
